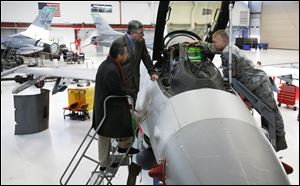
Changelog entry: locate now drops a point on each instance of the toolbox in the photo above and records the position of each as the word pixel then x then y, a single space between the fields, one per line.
pixel 287 95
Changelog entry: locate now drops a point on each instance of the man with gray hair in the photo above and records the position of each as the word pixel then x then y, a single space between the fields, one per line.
pixel 137 51
pixel 256 80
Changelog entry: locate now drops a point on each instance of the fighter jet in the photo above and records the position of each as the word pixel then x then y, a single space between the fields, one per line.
pixel 196 130
pixel 106 34
pixel 199 132
pixel 34 39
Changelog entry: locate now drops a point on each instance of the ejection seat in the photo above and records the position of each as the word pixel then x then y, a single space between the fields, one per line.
pixel 77 112
pixel 71 108
pixel 82 112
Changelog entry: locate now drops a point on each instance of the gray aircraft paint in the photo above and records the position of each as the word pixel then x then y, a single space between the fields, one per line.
pixel 35 38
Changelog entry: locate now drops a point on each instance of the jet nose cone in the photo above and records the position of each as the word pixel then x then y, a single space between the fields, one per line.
pixel 223 151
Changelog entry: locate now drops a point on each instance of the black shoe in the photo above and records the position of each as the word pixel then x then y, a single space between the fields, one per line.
pixel 113 165
pixel 280 143
pixel 131 151
pixel 102 169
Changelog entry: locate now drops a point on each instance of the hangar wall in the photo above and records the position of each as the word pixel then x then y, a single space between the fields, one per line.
pixel 280 24
pixel 279 21
pixel 79 11
pixel 255 17
pixel 76 12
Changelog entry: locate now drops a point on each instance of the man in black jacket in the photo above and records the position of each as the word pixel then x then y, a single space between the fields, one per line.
pixel 137 51
pixel 110 80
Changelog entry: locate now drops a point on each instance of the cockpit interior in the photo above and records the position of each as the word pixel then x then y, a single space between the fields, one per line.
pixel 183 67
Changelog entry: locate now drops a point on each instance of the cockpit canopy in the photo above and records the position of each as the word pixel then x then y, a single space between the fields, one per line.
pixel 182 68
pixel 189 69
pixel 202 18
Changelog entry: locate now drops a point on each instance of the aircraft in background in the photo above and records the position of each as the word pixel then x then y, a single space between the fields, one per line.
pixel 290 75
pixel 106 34
pixel 37 75
pixel 196 132
pixel 32 40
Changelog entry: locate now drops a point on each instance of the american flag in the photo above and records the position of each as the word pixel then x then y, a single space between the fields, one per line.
pixel 57 5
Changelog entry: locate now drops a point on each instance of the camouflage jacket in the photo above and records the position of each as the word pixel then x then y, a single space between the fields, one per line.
pixel 243 69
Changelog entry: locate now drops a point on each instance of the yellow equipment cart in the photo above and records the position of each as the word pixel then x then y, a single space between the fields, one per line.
pixel 81 101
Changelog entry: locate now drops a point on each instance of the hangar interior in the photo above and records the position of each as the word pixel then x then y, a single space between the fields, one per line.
pixel 42 157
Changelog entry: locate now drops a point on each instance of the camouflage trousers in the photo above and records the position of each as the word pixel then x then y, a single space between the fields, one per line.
pixel 265 93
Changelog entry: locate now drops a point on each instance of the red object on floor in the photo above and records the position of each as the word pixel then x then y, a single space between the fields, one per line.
pixel 287 94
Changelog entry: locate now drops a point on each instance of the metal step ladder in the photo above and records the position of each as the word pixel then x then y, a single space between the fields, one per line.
pixel 11 53
pixel 98 177
pixel 9 56
pixel 268 115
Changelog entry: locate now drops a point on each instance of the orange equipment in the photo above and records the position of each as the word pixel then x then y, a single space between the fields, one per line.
pixel 81 101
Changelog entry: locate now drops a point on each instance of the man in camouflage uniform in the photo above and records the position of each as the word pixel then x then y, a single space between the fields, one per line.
pixel 256 80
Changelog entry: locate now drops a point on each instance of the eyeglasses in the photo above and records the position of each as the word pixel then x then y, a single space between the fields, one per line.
pixel 139 32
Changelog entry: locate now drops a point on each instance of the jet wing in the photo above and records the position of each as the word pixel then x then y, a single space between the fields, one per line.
pixel 84 74
pixel 62 74
pixel 276 71
pixel 106 43
pixel 29 50
pixel 279 72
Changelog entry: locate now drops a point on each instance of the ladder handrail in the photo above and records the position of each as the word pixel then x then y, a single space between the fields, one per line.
pixel 93 137
pixel 263 109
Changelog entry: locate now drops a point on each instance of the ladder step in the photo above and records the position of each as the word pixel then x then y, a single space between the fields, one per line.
pixel 100 178
pixel 118 157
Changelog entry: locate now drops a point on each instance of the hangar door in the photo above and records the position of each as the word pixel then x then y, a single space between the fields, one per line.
pixel 280 24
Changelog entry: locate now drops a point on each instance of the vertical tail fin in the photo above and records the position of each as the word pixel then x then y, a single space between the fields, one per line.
pixel 39 29
pixel 101 25
pixel 44 19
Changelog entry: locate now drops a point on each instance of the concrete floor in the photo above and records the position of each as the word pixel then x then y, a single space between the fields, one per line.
pixel 42 157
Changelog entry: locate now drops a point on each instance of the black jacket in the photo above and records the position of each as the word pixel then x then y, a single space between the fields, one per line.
pixel 118 118
pixel 132 65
